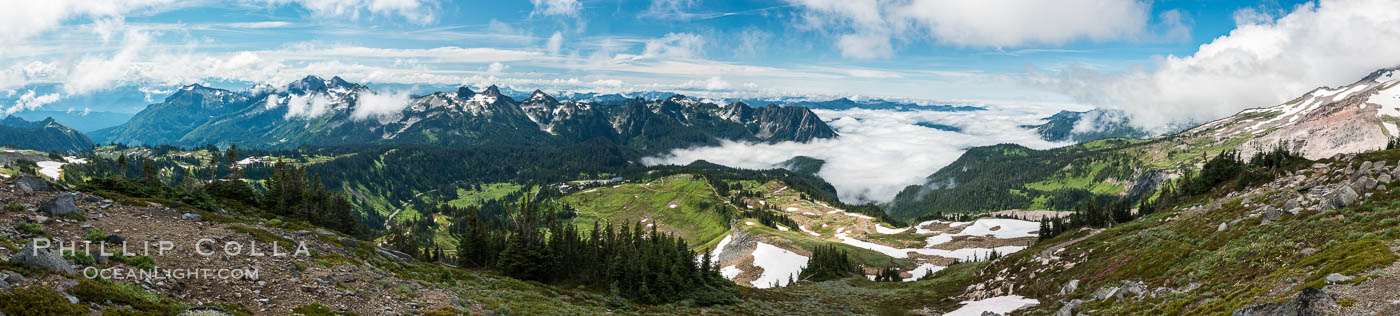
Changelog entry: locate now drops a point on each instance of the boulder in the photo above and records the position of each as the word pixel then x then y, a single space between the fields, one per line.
pixel 1384 178
pixel 193 217
pixel 1344 196
pixel 1272 214
pixel 1310 301
pixel 1307 251
pixel 1069 287
pixel 1292 204
pixel 1338 278
pixel 59 205
pixel 1222 227
pixel 1363 184
pixel 32 183
pixel 45 258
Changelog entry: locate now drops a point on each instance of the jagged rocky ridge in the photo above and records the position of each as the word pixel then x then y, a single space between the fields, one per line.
pixel 319 111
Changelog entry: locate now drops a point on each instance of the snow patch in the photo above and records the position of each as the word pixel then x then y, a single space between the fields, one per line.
pixel 51 169
pixel 778 265
pixel 1002 305
pixel 1388 100
pixel 902 253
pixel 922 270
pixel 883 230
pixel 729 272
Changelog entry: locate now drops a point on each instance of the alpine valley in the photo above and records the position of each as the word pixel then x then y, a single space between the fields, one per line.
pixel 471 202
pixel 699 157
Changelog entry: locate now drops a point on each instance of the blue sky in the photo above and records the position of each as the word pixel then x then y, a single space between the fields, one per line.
pixel 1126 54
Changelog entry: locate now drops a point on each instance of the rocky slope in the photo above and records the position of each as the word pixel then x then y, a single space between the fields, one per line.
pixel 1324 122
pixel 334 112
pixel 44 135
pixel 1319 239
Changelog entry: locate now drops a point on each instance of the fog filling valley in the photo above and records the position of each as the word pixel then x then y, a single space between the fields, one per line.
pixel 878 152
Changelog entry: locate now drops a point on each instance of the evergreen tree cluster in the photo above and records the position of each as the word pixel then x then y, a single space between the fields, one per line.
pixel 630 261
pixel 888 274
pixel 828 263
pixel 768 216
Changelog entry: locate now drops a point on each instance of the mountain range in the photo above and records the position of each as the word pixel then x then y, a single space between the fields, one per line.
pixel 44 135
pixel 328 112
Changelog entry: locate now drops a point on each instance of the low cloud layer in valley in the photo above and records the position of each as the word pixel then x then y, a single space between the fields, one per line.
pixel 879 152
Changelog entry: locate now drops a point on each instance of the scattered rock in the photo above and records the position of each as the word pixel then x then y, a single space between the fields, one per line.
pixel 32 183
pixel 1105 293
pixel 1069 287
pixel 44 258
pixel 206 311
pixel 1138 288
pixel 193 217
pixel 1310 301
pixel 1338 278
pixel 1068 309
pixel 59 205
pixel 393 254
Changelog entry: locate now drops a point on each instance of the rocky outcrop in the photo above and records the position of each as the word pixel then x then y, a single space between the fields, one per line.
pixel 1309 302
pixel 32 183
pixel 41 258
pixel 60 205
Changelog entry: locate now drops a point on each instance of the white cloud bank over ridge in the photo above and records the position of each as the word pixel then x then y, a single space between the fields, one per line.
pixel 1263 62
pixel 867 28
pixel 879 152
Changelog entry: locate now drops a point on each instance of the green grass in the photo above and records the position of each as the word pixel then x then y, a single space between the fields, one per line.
pixel 698 216
pixel 37 300
pixel 487 192
pixel 91 290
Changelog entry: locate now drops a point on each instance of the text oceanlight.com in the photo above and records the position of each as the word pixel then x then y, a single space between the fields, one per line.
pixel 157 273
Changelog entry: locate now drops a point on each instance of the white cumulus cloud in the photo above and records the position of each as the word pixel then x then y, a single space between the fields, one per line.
pixel 1264 61
pixel 380 104
pixel 868 28
pixel 556 7
pixel 31 101
pixel 415 11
